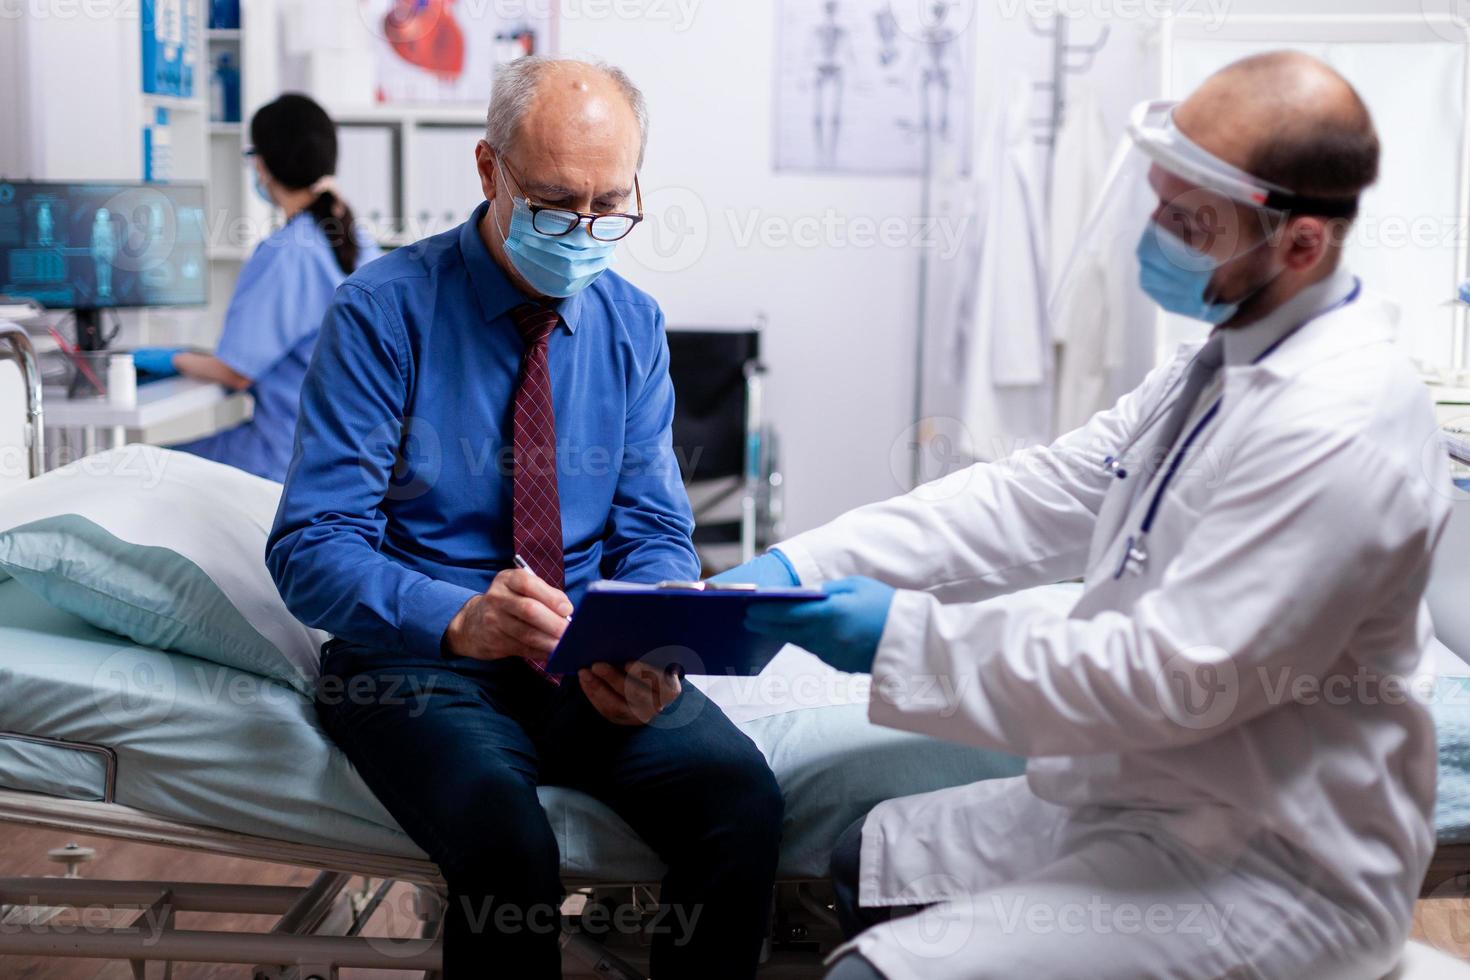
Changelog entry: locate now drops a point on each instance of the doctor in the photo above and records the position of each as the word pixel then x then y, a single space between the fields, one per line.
pixel 1227 776
pixel 284 288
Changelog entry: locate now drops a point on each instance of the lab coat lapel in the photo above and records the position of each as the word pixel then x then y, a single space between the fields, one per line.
pixel 1112 519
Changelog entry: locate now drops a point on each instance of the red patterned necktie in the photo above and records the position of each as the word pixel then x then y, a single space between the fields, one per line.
pixel 535 501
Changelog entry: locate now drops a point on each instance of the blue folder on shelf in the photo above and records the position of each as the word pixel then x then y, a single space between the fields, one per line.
pixel 697 626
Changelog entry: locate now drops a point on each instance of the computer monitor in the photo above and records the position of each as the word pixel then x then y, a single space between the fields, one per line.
pixel 90 247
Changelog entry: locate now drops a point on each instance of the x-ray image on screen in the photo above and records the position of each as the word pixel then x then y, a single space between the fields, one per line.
pixel 98 246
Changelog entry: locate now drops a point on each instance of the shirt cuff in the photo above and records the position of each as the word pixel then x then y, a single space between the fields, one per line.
pixel 900 684
pixel 800 561
pixel 428 611
pixel 780 556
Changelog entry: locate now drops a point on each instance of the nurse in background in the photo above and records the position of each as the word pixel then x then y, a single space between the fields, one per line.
pixel 284 288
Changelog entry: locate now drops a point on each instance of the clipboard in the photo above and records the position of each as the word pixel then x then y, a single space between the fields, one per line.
pixel 696 626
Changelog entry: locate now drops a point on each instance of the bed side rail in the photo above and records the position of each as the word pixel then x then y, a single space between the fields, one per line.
pixel 15 345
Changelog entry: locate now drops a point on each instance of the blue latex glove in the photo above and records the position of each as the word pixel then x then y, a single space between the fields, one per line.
pixel 158 361
pixel 772 570
pixel 843 629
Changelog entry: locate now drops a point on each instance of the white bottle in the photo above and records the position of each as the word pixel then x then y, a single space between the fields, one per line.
pixel 122 381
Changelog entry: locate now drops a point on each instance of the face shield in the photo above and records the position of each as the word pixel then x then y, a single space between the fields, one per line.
pixel 1181 229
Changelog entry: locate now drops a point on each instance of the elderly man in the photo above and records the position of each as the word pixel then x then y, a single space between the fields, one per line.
pixel 493 393
pixel 1227 775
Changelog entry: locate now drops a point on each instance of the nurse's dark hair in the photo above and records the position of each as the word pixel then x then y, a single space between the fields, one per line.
pixel 297 141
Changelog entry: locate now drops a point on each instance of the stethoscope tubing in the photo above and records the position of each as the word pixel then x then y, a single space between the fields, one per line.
pixel 1134 552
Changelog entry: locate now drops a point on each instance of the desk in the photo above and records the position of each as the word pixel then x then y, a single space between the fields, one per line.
pixel 171 410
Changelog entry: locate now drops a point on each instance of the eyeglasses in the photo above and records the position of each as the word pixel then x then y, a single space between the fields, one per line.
pixel 608 226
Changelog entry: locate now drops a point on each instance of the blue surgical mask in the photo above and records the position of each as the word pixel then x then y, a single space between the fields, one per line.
pixel 554 265
pixel 1177 276
pixel 262 192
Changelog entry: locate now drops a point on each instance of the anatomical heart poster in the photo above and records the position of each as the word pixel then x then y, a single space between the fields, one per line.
pixel 445 51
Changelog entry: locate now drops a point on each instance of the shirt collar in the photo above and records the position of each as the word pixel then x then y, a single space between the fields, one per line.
pixel 1244 345
pixel 497 295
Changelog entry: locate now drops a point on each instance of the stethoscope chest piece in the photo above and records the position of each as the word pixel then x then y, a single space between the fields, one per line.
pixel 1135 557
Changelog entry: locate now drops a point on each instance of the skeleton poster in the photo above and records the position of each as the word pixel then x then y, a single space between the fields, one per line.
pixel 861 84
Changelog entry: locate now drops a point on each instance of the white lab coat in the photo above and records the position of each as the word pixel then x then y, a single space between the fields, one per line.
pixel 1094 310
pixel 1002 316
pixel 1176 744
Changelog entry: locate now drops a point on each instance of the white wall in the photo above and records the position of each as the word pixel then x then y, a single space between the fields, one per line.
pixel 840 330
pixel 729 241
pixel 75 114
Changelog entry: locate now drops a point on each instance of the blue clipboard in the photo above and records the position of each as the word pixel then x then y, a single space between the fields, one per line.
pixel 697 626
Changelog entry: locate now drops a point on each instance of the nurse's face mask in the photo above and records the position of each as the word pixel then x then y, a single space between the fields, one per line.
pixel 558 251
pixel 1204 234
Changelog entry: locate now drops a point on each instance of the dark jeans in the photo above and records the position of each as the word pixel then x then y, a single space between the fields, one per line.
pixel 846 865
pixel 853 967
pixel 455 750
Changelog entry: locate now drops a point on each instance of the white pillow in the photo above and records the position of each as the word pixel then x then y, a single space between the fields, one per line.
pixel 164 548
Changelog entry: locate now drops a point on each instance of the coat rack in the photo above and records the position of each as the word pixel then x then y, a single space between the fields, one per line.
pixel 1068 58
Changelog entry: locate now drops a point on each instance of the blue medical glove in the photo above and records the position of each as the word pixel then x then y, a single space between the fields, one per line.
pixel 158 361
pixel 771 570
pixel 843 629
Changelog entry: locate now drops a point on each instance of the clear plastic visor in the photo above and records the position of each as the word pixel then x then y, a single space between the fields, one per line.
pixel 1198 225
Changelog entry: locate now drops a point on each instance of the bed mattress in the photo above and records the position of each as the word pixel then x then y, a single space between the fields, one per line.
pixel 212 746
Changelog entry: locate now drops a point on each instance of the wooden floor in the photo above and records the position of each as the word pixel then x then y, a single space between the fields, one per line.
pixel 1442 921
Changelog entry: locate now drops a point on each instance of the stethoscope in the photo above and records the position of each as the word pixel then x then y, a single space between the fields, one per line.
pixel 1135 549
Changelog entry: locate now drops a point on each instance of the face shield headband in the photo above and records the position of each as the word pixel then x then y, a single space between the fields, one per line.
pixel 1153 132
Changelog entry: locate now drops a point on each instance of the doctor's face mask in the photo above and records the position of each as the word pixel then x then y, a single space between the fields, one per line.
pixel 1178 229
pixel 1197 256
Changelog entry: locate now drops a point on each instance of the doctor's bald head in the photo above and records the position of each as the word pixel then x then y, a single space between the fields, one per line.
pixel 1292 130
pixel 1288 119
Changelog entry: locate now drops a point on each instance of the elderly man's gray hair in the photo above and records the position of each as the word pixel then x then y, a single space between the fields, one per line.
pixel 515 89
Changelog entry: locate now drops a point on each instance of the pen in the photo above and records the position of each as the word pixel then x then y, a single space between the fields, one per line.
pixel 522 564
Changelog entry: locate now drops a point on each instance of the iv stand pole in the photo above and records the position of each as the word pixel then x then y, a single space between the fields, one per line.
pixel 926 194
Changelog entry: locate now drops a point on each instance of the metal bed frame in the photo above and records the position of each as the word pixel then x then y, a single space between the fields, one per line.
pixel 318 927
pixel 15 345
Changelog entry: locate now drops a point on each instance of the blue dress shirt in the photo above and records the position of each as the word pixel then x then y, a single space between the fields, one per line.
pixel 270 330
pixel 397 507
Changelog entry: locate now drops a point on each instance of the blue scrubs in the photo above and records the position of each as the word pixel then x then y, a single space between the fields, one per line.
pixel 270 332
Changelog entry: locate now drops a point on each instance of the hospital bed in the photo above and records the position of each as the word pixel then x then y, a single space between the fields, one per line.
pixel 106 737
pixel 102 736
